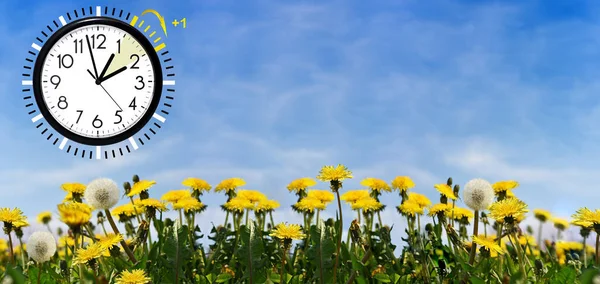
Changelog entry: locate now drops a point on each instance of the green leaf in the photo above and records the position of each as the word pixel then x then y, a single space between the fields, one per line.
pixel 476 280
pixel 16 273
pixel 251 254
pixel 321 252
pixel 382 278
pixel 176 251
pixel 588 275
pixel 566 275
pixel 224 277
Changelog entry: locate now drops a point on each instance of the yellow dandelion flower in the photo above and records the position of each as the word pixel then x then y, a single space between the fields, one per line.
pixel 267 205
pixel 68 197
pixel 367 204
pixel 411 208
pixel 507 209
pixel 126 210
pixel 504 186
pixel 354 195
pixel 110 240
pixel 3 245
pixel 324 196
pixel 458 213
pixel 152 203
pixel 75 187
pixel 239 204
pixel 230 184
pixel 197 184
pixel 445 190
pixel 140 186
pixel 66 241
pixel 337 173
pixel 542 215
pixel 527 240
pixel 402 183
pixel 84 255
pixel 11 216
pixel 301 184
pixel 489 243
pixel 287 232
pixel 176 195
pixel 188 204
pixel 420 199
pixel 438 208
pixel 375 184
pixel 44 217
pixel 21 224
pixel 251 195
pixel 585 217
pixel 136 276
pixel 309 204
pixel 74 213
pixel 560 223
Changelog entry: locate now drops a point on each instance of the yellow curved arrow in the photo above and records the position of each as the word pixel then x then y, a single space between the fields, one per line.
pixel 161 19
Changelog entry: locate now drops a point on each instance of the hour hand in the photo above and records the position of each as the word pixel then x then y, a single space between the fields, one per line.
pixel 104 78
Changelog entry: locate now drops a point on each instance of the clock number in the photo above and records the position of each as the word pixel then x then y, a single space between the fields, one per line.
pixel 137 59
pixel 79 117
pixel 52 80
pixel 78 43
pixel 97 123
pixel 141 80
pixel 117 115
pixel 132 104
pixel 119 46
pixel 62 102
pixel 65 60
pixel 100 36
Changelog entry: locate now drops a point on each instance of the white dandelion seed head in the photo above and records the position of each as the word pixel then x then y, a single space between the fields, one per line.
pixel 478 194
pixel 41 246
pixel 102 193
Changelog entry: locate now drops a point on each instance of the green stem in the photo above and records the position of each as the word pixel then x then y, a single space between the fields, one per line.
pixel 226 219
pixel 473 244
pixel 540 234
pixel 318 211
pixel 116 231
pixel 12 252
pixel 339 240
pixel 39 276
pixel 180 217
pixel 22 253
pixel 378 217
pixel 271 216
pixel 80 266
pixel 247 214
pixel 597 246
pixel 282 265
pixel 516 244
pixel 584 253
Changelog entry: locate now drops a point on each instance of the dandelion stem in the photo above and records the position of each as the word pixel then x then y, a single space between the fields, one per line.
pixel 282 264
pixel 318 211
pixel 517 245
pixel 358 213
pixel 180 217
pixel 272 222
pixel 247 214
pixel 597 247
pixel 584 252
pixel 22 250
pixel 378 217
pixel 80 265
pixel 12 252
pixel 137 216
pixel 116 231
pixel 540 233
pixel 39 276
pixel 226 219
pixel 475 232
pixel 339 240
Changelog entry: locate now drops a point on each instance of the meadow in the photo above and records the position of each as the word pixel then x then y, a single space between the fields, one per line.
pixel 472 234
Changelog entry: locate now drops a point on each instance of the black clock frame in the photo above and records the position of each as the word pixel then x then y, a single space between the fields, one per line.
pixel 154 60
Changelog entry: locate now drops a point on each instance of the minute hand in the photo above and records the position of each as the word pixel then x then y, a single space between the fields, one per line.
pixel 112 74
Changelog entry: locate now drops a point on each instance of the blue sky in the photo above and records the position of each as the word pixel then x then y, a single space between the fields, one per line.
pixel 272 90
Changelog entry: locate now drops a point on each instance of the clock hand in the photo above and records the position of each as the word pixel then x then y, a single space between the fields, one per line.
pixel 99 78
pixel 111 97
pixel 91 74
pixel 104 78
pixel 87 38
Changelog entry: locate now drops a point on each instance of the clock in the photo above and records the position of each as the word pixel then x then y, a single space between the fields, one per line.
pixel 95 87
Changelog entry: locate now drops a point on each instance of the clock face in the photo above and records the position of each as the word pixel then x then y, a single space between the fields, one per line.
pixel 99 81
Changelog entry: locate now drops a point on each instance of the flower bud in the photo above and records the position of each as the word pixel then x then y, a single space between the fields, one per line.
pixel 449 182
pixel 136 178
